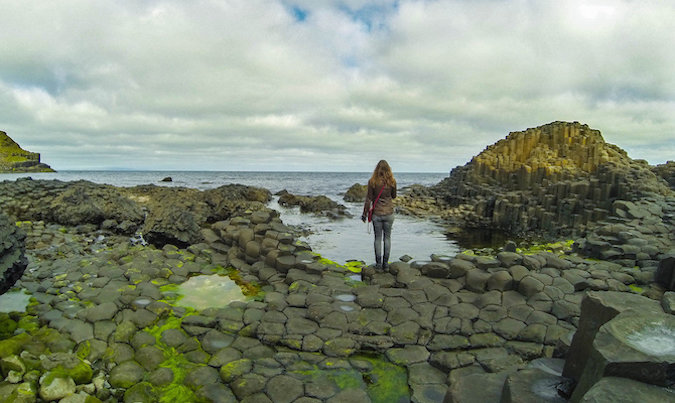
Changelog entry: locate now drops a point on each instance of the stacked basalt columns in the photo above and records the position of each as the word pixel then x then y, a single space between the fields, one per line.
pixel 256 240
pixel 552 179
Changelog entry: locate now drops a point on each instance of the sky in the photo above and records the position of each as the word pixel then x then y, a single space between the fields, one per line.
pixel 334 85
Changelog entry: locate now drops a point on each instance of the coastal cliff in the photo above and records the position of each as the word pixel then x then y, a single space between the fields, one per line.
pixel 13 158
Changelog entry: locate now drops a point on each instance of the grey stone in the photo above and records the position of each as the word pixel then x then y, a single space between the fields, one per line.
pixel 284 389
pixel 530 285
pixel 201 376
pixel 459 268
pixel 350 396
pixel 55 387
pixel 501 280
pixel 668 302
pixel 409 354
pixel 532 386
pixel 624 390
pixel 104 311
pixel 405 333
pixel 161 376
pixel 476 280
pixel 508 328
pixel 126 374
pixel 597 308
pixel 476 388
pixel 149 357
pixel 247 385
pixel 509 259
pixel 216 393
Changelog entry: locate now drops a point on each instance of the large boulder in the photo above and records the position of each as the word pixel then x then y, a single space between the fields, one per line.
pixel 665 273
pixel 13 261
pixel 598 308
pixel 320 205
pixel 558 178
pixel 356 193
pixel 636 345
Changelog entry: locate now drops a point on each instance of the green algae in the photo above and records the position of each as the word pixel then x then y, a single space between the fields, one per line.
pixel 7 326
pixel 13 345
pixel 175 361
pixel 553 247
pixel 636 289
pixel 384 382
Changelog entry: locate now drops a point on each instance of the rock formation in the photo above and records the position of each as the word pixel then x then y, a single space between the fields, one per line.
pixel 12 259
pixel 554 178
pixel 557 179
pixel 15 159
pixel 163 215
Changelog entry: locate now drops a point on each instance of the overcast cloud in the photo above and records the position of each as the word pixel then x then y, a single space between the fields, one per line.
pixel 327 85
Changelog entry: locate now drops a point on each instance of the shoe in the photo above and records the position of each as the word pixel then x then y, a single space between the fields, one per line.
pixel 378 263
pixel 385 267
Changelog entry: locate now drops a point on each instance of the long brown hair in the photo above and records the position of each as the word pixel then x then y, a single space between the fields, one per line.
pixel 382 175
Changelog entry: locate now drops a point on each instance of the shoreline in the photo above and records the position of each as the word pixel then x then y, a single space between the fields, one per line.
pixel 102 321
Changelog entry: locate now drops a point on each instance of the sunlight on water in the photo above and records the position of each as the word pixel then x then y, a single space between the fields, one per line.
pixel 655 339
pixel 14 301
pixel 212 291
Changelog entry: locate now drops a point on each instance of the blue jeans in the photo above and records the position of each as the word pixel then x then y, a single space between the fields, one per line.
pixel 382 225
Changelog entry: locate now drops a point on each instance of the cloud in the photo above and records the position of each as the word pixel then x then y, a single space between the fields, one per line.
pixel 331 85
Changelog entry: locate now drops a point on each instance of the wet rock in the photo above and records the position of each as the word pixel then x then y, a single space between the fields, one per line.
pixel 216 393
pixel 13 261
pixel 55 386
pixel 634 344
pixel 201 376
pixel 476 388
pixel 356 193
pixel 126 374
pixel 149 357
pixel 141 392
pixel 597 308
pixel 284 389
pixel 532 386
pixel 665 274
pixel 624 390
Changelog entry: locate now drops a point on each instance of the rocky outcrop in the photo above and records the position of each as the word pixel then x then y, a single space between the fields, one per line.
pixel 667 172
pixel 162 215
pixel 356 193
pixel 319 205
pixel 12 259
pixel 558 178
pixel 15 159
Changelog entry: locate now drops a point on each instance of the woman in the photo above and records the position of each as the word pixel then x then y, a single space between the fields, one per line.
pixel 381 192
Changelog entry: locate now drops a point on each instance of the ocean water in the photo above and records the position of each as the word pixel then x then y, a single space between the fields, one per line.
pixel 339 240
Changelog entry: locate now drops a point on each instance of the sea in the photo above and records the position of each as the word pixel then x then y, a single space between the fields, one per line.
pixel 339 240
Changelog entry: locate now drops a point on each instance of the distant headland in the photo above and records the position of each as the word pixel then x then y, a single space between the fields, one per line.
pixel 13 158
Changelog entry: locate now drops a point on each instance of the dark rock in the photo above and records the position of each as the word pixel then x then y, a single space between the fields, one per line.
pixel 320 205
pixel 665 274
pixel 356 193
pixel 623 390
pixel 167 179
pixel 13 261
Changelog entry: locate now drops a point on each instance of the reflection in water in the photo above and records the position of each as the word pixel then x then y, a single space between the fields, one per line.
pixel 345 239
pixel 212 291
pixel 14 301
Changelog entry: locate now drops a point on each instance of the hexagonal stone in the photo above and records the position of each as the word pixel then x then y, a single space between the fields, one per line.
pixel 284 389
pixel 126 374
pixel 408 354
